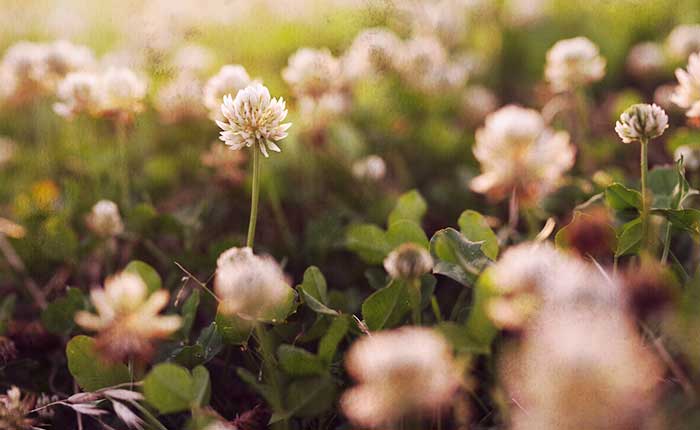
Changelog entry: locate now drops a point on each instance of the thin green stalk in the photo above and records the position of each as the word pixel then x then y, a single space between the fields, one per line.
pixel 644 167
pixel 667 243
pixel 254 198
pixel 415 298
pixel 123 163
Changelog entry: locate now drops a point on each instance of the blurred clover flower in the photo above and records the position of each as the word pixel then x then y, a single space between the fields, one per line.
pixel 78 93
pixel 477 102
pixel 229 80
pixel 683 41
pixel 687 93
pixel 581 367
pixel 424 64
pixel 193 59
pixel 227 164
pixel 63 57
pixel 641 122
pixel 373 50
pixel 14 408
pixel 519 153
pixel 408 261
pixel 572 63
pixel 251 287
pixel 253 118
pixel 400 373
pixel 127 319
pixel 316 78
pixel 104 219
pixel 646 60
pixel 121 92
pixel 180 100
pixel 371 167
pixel 445 19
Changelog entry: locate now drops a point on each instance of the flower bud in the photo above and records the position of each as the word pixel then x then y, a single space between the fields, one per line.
pixel 408 261
pixel 104 219
pixel 641 122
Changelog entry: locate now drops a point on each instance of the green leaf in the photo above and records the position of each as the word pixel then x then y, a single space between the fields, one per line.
pixel 307 397
pixel 149 275
pixel 189 312
pixel 330 341
pixel 479 327
pixel 211 341
pixel 403 231
pixel 201 384
pixel 169 388
pixel 315 305
pixel 264 390
pixel 621 198
pixel 457 257
pixel 663 182
pixel 90 371
pixel 369 242
pixel 387 307
pixel 314 284
pixel 629 238
pixel 474 227
pixel 299 362
pixel 682 219
pixel 58 317
pixel 460 339
pixel 233 330
pixel 411 206
pixel 188 355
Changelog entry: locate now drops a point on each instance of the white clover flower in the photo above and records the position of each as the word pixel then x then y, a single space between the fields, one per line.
pixel 572 63
pixel 313 73
pixel 121 92
pixel 687 93
pixel 518 153
pixel 252 287
pixel 423 63
pixel 399 372
pixel 61 58
pixel 522 13
pixel 180 100
pixel 683 41
pixel 104 219
pixel 78 92
pixel 373 50
pixel 641 122
pixel 445 19
pixel 15 408
pixel 193 59
pixel 582 367
pixel 663 95
pixel 690 155
pixel 127 319
pixel 229 80
pixel 477 102
pixel 253 118
pixel 646 60
pixel 408 261
pixel 317 113
pixel 21 70
pixel 371 168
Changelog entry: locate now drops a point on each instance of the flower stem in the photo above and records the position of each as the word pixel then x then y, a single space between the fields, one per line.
pixel 667 243
pixel 644 168
pixel 124 163
pixel 415 298
pixel 255 198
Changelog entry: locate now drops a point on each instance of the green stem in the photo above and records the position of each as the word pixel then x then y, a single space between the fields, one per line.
pixel 254 198
pixel 644 167
pixel 667 243
pixel 123 163
pixel 415 298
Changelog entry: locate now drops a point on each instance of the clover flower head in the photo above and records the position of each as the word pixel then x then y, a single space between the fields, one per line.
pixel 228 165
pixel 571 373
pixel 253 118
pixel 477 102
pixel 62 57
pixel 683 41
pixel 646 60
pixel 104 219
pixel 122 91
pixel 399 373
pixel 251 287
pixel 445 19
pixel 423 63
pixel 193 59
pixel 572 63
pixel 687 93
pixel 21 70
pixel 180 100
pixel 641 122
pixel 408 261
pixel 519 153
pixel 373 50
pixel 127 319
pixel 313 73
pixel 14 408
pixel 78 92
pixel 230 79
pixel 372 168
